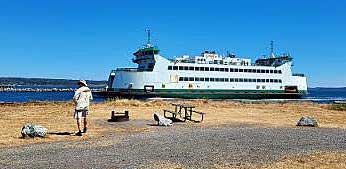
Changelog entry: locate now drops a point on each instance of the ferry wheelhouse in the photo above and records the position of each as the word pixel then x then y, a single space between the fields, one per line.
pixel 208 76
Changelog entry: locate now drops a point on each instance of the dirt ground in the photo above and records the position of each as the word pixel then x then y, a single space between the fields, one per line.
pixel 57 117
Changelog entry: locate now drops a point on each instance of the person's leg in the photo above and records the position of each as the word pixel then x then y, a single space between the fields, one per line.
pixel 78 124
pixel 85 125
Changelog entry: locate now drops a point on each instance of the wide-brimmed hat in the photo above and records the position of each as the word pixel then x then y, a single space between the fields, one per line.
pixel 83 82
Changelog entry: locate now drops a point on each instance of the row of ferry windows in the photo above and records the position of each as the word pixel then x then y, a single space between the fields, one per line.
pixel 223 69
pixel 207 79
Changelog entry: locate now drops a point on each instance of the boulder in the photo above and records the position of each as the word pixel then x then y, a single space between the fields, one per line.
pixel 162 121
pixel 31 130
pixel 307 121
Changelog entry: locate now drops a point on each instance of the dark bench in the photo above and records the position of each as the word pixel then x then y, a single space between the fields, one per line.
pixel 119 116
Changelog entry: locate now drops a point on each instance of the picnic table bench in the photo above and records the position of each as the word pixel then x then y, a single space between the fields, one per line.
pixel 184 111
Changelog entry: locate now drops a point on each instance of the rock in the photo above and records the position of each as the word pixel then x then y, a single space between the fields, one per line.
pixel 31 130
pixel 162 121
pixel 307 121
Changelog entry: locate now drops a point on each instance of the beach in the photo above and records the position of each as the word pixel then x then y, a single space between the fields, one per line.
pixel 228 122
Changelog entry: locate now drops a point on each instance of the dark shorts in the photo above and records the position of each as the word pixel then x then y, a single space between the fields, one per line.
pixel 78 114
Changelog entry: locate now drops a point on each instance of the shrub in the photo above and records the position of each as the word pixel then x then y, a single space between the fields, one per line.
pixel 338 107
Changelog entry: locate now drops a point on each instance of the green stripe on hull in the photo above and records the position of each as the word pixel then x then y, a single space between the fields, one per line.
pixel 204 94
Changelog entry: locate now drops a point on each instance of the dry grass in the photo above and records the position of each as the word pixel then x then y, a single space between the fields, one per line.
pixel 57 117
pixel 317 160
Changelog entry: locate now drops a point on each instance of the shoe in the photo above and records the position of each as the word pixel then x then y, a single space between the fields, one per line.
pixel 85 130
pixel 79 133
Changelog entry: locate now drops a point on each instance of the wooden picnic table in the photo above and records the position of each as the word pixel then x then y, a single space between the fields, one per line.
pixel 187 110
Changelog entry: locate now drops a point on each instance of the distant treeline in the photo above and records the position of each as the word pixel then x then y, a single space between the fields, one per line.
pixel 45 82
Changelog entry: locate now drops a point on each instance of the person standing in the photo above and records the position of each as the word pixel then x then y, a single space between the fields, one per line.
pixel 82 98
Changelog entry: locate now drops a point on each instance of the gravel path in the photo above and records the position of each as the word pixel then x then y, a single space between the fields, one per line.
pixel 191 147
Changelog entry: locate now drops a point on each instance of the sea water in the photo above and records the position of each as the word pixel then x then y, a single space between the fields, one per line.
pixel 318 95
pixel 22 97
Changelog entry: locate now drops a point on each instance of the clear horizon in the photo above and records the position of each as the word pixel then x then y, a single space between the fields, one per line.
pixel 85 40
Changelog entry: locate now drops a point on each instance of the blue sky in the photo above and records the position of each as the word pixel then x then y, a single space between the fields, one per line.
pixel 86 39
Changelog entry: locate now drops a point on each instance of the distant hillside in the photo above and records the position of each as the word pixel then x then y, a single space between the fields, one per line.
pixel 45 82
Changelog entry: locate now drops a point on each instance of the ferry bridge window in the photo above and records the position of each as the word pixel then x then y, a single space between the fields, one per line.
pixel 206 68
pixel 197 68
pixel 181 68
pixel 258 71
pixel 253 70
pixel 186 79
pixel 280 72
pixel 250 80
pixel 222 79
pixel 211 69
pixel 222 69
pixel 206 79
pixel 241 70
pixel 217 69
pixel 235 70
pixel 231 70
pixel 231 80
pixel 201 79
pixel 191 79
pixel 181 78
pixel 241 80
pixel 191 68
pixel 258 80
pixel 226 79
pixel 263 80
pixel 236 80
pixel 175 67
pixel 217 79
pixel 276 80
pixel 267 80
pixel 275 71
pixel 201 68
pixel 245 80
pixel 271 71
pixel 245 70
pixel 263 71
pixel 271 80
pixel 169 67
pixel 253 80
pixel 186 68
pixel 280 81
pixel 196 79
pixel 226 69
pixel 212 79
pixel 267 71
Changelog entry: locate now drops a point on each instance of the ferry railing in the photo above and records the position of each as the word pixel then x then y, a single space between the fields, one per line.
pixel 132 70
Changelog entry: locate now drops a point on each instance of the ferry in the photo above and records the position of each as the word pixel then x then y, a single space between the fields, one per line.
pixel 207 76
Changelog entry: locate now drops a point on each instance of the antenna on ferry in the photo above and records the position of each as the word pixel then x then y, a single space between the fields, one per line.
pixel 272 49
pixel 148 33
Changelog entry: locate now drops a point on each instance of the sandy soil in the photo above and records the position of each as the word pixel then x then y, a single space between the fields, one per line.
pixel 57 117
